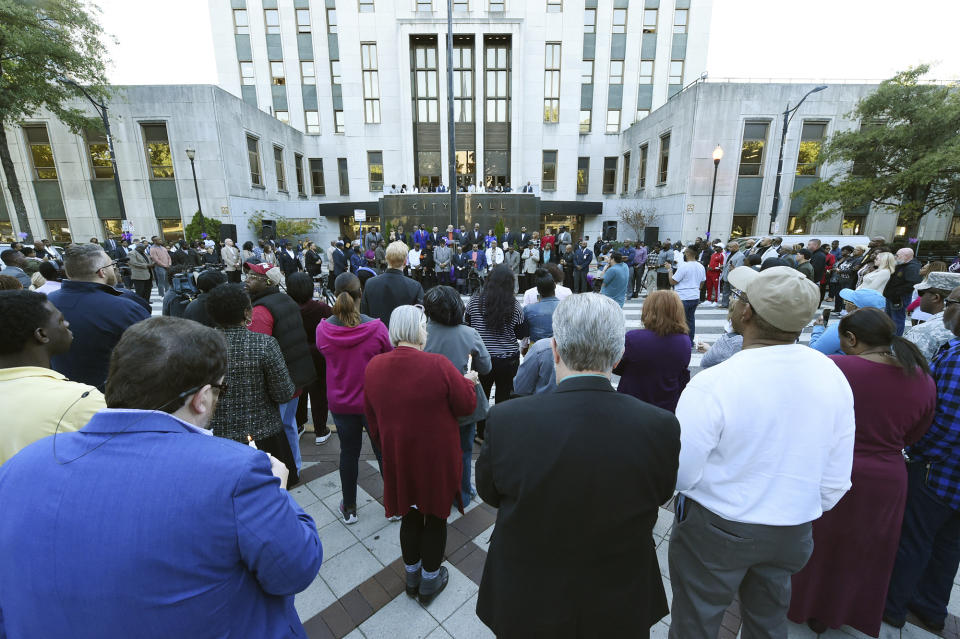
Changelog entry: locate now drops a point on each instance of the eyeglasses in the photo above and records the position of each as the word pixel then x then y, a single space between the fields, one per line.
pixel 737 294
pixel 948 302
pixel 110 265
pixel 221 390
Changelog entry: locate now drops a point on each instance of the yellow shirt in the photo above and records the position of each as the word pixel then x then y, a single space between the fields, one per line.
pixel 35 399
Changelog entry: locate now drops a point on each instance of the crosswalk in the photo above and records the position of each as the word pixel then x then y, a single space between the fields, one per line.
pixel 711 323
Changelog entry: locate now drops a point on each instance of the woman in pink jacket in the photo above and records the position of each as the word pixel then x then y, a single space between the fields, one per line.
pixel 348 341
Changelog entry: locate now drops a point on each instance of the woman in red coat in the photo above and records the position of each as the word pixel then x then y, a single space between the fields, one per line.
pixel 713 274
pixel 419 439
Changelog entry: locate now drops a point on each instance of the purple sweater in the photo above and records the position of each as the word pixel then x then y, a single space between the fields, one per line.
pixel 348 350
pixel 655 369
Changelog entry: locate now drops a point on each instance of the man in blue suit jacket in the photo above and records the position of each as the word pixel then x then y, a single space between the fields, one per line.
pixel 339 261
pixel 143 524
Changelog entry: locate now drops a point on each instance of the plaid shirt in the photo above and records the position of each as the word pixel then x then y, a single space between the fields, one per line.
pixel 939 448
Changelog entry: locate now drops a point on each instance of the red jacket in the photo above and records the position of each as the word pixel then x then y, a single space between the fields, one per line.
pixel 412 400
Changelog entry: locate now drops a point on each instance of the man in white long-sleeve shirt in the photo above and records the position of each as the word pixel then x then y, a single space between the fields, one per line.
pixel 754 470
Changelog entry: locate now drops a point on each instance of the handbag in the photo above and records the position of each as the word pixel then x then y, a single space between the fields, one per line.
pixel 480 412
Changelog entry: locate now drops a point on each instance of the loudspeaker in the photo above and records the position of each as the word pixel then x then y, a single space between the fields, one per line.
pixel 228 231
pixel 609 231
pixel 651 235
pixel 269 230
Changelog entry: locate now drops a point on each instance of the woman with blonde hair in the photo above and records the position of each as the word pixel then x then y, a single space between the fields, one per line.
pixel 348 341
pixel 878 278
pixel 654 366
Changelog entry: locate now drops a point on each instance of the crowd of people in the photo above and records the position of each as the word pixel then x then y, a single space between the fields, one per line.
pixel 146 430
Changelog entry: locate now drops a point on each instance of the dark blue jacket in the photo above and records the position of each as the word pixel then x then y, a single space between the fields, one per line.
pixel 339 263
pixel 582 258
pixel 481 259
pixel 98 316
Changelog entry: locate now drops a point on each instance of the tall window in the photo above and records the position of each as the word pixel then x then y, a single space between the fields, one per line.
pixel 649 20
pixel 344 178
pixel 586 74
pixel 646 72
pixel 664 158
pixel 551 83
pixel 308 73
pixel 425 67
pixel 461 5
pixel 158 151
pixel 811 141
pixel 466 167
pixel 424 5
pixel 283 116
pixel 277 74
pixel 497 5
pixel 642 169
pixel 303 20
pixel 316 177
pixel 99 153
pixel 498 83
pixel 338 126
pixel 616 72
pixel 642 113
pixel 271 18
pixel 752 149
pixel 610 174
pixel 626 172
pixel 549 181
pixel 375 170
pixel 253 158
pixel 246 74
pixel 613 121
pixel 853 224
pixel 334 72
pixel 463 84
pixel 583 175
pixel 585 120
pixel 312 119
pixel 365 6
pixel 680 17
pixel 619 21
pixel 241 24
pixel 371 83
pixel 332 20
pixel 554 6
pixel 676 72
pixel 278 166
pixel 589 20
pixel 298 164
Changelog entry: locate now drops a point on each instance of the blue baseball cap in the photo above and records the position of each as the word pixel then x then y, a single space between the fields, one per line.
pixel 864 297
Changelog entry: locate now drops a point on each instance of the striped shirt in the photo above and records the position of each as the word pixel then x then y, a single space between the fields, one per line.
pixel 500 341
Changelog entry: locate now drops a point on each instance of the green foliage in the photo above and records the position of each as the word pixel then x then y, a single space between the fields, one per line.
pixel 499 229
pixel 286 227
pixel 905 156
pixel 387 227
pixel 200 225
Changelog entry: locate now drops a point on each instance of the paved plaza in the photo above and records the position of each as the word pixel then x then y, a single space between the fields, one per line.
pixel 359 590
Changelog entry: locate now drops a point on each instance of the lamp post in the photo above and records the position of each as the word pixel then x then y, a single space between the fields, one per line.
pixel 717 156
pixel 451 144
pixel 787 116
pixel 191 153
pixel 102 112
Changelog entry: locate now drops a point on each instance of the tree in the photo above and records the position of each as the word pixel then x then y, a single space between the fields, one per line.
pixel 905 155
pixel 202 228
pixel 286 228
pixel 638 218
pixel 41 43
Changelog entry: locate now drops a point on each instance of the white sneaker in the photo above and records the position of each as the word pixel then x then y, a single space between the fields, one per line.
pixel 322 439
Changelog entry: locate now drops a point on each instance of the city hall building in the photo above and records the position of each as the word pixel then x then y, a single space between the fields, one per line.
pixel 323 105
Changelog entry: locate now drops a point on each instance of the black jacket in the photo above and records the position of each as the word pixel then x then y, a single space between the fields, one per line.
pixel 313 262
pixel 476 237
pixel 589 450
pixel 902 280
pixel 197 311
pixel 286 263
pixel 288 331
pixel 819 263
pixel 340 263
pixel 386 292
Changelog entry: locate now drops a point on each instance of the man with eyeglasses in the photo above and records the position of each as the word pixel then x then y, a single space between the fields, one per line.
pixel 937 291
pixel 750 479
pixel 142 524
pixel 97 312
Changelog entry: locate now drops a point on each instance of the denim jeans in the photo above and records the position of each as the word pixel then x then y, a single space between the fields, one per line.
pixel 288 415
pixel 690 310
pixel 466 445
pixel 898 315
pixel 928 555
pixel 350 432
pixel 160 274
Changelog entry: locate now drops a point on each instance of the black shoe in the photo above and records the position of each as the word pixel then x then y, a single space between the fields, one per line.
pixel 896 623
pixel 817 626
pixel 430 588
pixel 413 583
pixel 929 624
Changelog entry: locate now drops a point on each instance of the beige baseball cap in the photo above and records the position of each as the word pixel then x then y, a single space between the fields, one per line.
pixel 781 295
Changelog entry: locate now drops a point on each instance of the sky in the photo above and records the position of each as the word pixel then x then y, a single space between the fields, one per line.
pixel 756 39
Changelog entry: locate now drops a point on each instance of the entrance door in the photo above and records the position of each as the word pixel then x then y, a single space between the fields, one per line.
pixel 353 230
pixel 573 223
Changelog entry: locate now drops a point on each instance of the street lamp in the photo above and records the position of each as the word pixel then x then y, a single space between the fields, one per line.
pixel 102 112
pixel 717 156
pixel 787 116
pixel 451 128
pixel 191 153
